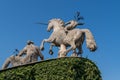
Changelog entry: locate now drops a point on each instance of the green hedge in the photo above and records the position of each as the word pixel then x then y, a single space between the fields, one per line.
pixel 69 68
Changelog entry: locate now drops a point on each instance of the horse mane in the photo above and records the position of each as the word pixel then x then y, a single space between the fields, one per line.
pixel 61 22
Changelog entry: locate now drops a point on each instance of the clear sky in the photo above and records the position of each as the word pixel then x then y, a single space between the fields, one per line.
pixel 102 17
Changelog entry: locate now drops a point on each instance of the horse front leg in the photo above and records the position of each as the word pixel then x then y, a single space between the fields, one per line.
pixel 45 40
pixel 51 46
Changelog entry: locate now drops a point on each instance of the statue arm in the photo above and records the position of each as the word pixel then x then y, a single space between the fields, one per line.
pixel 22 52
pixel 71 25
pixel 6 64
pixel 40 54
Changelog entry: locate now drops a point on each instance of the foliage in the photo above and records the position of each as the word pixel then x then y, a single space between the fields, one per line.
pixel 70 68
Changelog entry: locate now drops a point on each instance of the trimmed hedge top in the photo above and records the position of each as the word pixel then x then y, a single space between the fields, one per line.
pixel 67 68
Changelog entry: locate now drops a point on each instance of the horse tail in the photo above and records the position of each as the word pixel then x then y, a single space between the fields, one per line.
pixel 90 42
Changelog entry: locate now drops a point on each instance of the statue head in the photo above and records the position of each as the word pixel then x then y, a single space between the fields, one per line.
pixel 30 42
pixel 54 23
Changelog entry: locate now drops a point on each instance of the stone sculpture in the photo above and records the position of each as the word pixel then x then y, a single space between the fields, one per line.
pixel 32 52
pixel 69 26
pixel 29 54
pixel 65 36
pixel 73 38
pixel 13 60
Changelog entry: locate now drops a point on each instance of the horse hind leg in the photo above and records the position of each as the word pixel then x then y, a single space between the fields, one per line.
pixel 74 54
pixel 73 47
pixel 80 51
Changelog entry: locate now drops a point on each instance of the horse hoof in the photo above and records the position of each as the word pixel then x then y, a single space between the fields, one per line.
pixel 51 52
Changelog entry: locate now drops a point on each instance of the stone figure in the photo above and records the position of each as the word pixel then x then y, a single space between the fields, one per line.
pixel 32 52
pixel 29 54
pixel 69 26
pixel 13 60
pixel 74 38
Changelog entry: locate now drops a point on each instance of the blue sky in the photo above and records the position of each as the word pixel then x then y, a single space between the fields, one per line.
pixel 18 18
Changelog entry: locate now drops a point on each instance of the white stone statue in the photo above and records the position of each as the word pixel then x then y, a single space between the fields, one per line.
pixel 32 52
pixel 29 54
pixel 73 38
pixel 13 61
pixel 68 26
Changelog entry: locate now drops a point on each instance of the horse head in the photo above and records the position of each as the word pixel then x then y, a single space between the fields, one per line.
pixel 55 23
